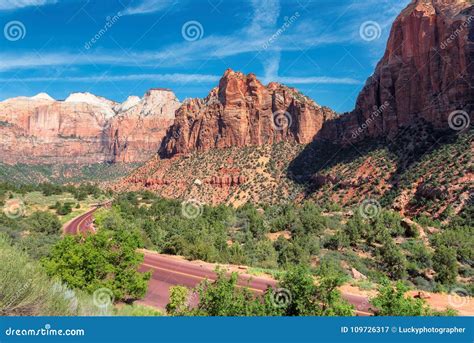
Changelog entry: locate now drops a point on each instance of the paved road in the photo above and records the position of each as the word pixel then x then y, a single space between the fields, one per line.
pixel 169 271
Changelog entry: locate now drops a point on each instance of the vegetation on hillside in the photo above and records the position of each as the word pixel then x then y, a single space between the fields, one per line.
pixel 277 237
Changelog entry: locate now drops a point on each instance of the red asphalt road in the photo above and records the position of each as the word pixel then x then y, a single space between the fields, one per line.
pixel 169 271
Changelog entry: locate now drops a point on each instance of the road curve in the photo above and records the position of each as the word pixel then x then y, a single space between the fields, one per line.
pixel 170 271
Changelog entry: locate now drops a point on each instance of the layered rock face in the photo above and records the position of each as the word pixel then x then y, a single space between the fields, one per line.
pixel 427 72
pixel 84 129
pixel 240 112
pixel 137 131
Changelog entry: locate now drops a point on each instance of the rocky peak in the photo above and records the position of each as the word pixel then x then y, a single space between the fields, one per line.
pixel 106 105
pixel 131 101
pixel 241 111
pixel 136 132
pixel 426 73
pixel 42 96
pixel 160 101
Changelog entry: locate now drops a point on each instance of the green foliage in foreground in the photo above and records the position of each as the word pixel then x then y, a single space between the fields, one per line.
pixel 392 301
pixel 136 311
pixel 25 289
pixel 107 259
pixel 297 294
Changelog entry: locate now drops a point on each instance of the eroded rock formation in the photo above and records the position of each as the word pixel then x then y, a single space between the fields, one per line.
pixel 241 112
pixel 426 73
pixel 84 128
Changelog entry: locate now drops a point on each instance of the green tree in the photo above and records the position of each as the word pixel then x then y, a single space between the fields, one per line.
pixel 320 297
pixel 44 222
pixel 106 259
pixel 445 265
pixel 224 298
pixel 392 260
pixel 392 300
pixel 178 303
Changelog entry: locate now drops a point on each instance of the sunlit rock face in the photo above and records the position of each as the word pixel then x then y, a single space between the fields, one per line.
pixel 425 74
pixel 242 111
pixel 84 128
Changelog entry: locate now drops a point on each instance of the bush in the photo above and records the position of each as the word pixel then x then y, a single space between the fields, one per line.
pixel 104 260
pixel 26 289
pixel 44 222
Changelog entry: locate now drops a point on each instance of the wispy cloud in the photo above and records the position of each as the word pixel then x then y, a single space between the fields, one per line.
pixel 177 78
pixel 172 78
pixel 14 4
pixel 148 6
pixel 317 80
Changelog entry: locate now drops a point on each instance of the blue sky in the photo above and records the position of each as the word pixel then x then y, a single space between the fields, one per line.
pixel 117 48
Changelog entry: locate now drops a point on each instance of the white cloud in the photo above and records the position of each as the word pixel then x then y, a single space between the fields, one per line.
pixel 148 6
pixel 14 4
pixel 316 80
pixel 175 78
pixel 172 77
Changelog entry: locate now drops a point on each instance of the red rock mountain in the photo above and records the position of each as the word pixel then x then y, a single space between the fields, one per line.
pixel 84 129
pixel 426 73
pixel 240 112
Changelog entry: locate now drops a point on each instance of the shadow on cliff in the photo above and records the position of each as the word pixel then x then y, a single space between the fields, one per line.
pixel 310 167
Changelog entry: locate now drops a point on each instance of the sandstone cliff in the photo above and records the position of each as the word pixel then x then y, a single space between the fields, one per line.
pixel 135 134
pixel 240 112
pixel 84 128
pixel 426 73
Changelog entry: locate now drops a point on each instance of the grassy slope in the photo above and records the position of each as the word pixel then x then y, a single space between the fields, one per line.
pixel 23 173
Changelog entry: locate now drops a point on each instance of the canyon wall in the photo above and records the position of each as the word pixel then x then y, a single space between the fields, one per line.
pixel 84 128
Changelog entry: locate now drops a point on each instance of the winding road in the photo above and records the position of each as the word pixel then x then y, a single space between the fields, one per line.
pixel 170 271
